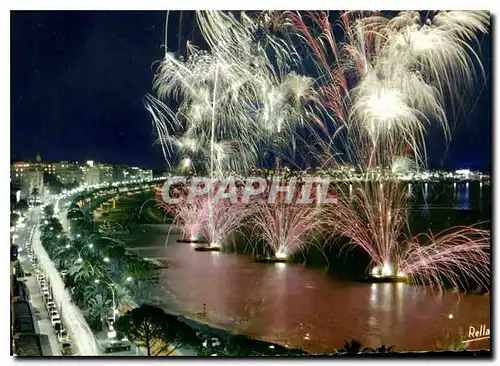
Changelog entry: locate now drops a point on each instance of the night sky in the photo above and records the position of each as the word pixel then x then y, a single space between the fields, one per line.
pixel 78 81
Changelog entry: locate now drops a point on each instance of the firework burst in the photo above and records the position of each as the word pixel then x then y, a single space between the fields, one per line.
pixel 459 255
pixel 387 79
pixel 231 100
pixel 382 85
pixel 285 228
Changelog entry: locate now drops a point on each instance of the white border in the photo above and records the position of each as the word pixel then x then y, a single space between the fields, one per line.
pixel 251 5
pixel 186 5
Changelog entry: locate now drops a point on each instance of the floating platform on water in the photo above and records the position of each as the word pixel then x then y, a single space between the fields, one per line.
pixel 207 249
pixel 383 279
pixel 191 241
pixel 262 259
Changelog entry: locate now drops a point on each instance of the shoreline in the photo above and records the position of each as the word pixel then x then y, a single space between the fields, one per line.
pixel 172 307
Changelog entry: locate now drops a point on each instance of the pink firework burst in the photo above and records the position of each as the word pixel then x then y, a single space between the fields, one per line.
pixel 459 255
pixel 286 228
pixel 374 218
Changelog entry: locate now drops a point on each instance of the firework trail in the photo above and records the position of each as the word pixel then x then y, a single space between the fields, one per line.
pixel 388 78
pixel 382 85
pixel 285 227
pixel 208 216
pixel 372 217
pixel 231 100
pixel 459 255
pixel 226 219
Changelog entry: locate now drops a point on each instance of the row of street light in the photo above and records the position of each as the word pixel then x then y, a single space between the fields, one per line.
pixel 67 194
pixel 112 332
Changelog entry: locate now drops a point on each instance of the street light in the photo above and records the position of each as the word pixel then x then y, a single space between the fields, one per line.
pixel 129 279
pixel 91 246
pixel 78 235
pixel 106 259
pixel 112 287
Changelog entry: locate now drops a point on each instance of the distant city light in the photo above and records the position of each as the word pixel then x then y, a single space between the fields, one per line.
pixel 463 172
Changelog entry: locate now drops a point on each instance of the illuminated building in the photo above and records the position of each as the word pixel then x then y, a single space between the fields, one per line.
pixel 28 176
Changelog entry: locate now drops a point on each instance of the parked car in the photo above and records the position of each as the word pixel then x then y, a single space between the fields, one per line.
pixel 54 314
pixel 215 343
pixel 51 309
pixel 66 348
pixel 55 319
pixel 50 305
pixel 117 346
pixel 62 336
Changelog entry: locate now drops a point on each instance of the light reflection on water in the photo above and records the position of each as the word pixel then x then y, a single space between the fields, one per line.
pixel 305 308
pixel 284 302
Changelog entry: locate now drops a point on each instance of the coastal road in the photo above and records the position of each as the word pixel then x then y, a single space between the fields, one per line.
pixel 101 340
pixel 71 315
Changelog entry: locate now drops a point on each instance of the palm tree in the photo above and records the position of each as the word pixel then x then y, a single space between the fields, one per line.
pixel 82 220
pixel 116 269
pixel 99 308
pixel 384 349
pixel 35 192
pixel 354 346
pixel 49 210
pixel 122 293
pixel 84 270
pixel 90 289
pixel 57 249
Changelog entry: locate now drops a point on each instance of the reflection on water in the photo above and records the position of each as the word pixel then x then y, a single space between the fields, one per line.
pixel 462 196
pixel 425 208
pixel 463 201
pixel 303 307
